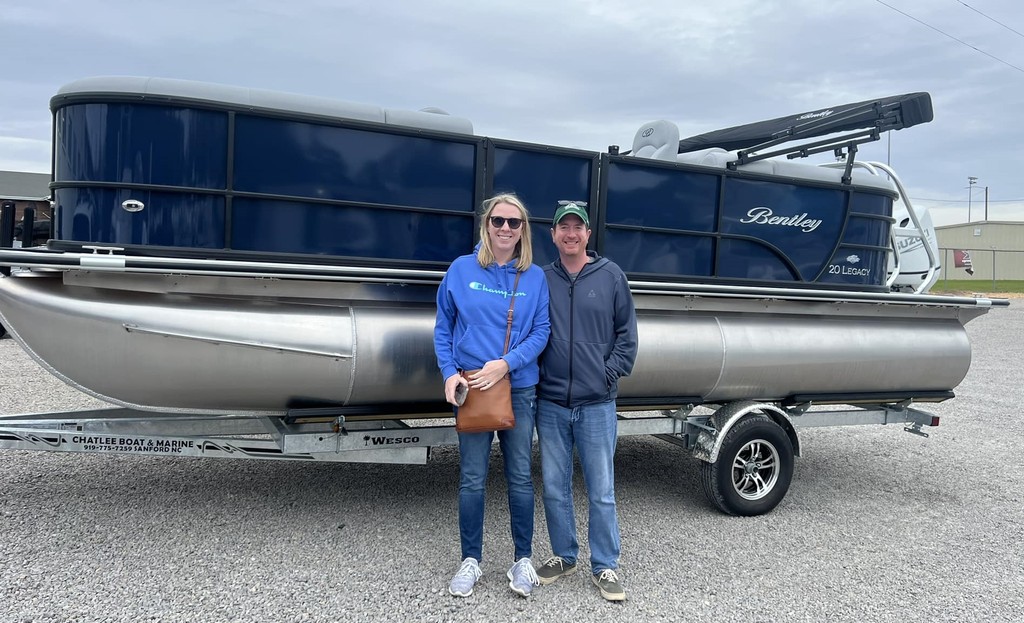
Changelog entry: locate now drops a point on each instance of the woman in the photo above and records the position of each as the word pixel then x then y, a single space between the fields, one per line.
pixel 469 334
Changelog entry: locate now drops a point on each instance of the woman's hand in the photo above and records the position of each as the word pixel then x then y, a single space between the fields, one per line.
pixel 450 384
pixel 490 374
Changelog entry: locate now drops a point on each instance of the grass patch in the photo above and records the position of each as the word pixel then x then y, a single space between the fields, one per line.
pixel 977 285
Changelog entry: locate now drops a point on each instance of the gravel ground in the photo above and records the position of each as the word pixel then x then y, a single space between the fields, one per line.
pixel 878 526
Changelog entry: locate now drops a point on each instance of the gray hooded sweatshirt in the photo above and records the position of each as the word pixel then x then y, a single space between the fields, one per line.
pixel 593 334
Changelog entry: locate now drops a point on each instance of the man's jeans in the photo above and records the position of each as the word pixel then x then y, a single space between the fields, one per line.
pixel 593 430
pixel 474 458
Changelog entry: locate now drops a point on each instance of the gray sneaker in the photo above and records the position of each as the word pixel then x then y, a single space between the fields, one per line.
pixel 522 578
pixel 554 568
pixel 608 583
pixel 467 575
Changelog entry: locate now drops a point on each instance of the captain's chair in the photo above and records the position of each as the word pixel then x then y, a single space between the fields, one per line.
pixel 658 140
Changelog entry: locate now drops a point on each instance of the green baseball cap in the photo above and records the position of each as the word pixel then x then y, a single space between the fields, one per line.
pixel 571 207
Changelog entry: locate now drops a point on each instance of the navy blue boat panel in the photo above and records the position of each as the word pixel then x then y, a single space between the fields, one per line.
pixel 297 227
pixel 866 230
pixel 804 222
pixel 542 179
pixel 669 254
pixel 141 144
pixel 870 203
pixel 544 250
pixel 650 196
pixel 852 266
pixel 300 159
pixel 169 219
pixel 295 185
pixel 748 259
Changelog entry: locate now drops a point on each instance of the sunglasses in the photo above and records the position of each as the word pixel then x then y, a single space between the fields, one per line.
pixel 499 222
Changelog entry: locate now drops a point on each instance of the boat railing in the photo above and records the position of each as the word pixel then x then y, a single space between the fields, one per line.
pixel 112 260
pixel 915 219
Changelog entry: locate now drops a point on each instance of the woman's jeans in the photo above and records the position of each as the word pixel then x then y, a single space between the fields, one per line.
pixel 474 457
pixel 593 430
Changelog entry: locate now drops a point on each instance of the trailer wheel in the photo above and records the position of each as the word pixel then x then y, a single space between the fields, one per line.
pixel 753 470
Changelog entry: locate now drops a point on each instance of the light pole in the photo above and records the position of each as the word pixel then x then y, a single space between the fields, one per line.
pixel 971 181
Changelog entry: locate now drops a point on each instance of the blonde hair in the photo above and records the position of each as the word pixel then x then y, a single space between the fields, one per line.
pixel 524 248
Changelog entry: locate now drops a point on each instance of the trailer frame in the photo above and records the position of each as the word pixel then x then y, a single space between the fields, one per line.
pixel 328 435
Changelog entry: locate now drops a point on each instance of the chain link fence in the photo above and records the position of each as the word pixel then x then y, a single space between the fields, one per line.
pixel 984 265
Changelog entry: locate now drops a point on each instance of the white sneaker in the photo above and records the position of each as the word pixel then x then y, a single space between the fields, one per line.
pixel 467 575
pixel 522 577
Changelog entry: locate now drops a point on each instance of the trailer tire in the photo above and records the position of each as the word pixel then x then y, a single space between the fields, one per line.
pixel 753 469
pixel 3 331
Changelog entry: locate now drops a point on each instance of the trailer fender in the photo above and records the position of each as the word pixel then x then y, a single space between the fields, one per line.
pixel 709 442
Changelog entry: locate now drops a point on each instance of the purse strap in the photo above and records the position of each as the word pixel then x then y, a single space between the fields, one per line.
pixel 511 306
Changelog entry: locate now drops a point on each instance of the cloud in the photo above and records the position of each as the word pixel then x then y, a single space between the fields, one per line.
pixel 21 154
pixel 580 73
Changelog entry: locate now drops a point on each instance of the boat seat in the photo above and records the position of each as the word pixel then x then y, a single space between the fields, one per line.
pixel 428 119
pixel 658 140
pixel 719 158
pixel 711 157
pixel 161 89
pixel 808 171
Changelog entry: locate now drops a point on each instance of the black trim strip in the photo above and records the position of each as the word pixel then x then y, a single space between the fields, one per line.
pixel 869 397
pixel 659 401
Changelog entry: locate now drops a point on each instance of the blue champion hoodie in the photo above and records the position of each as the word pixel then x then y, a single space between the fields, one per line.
pixel 472 311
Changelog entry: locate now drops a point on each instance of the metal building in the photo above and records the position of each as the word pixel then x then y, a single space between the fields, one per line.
pixel 27 190
pixel 984 250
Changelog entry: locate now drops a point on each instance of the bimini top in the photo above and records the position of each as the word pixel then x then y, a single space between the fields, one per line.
pixel 887 113
pixel 167 90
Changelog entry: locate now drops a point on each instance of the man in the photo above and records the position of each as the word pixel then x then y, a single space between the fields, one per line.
pixel 593 343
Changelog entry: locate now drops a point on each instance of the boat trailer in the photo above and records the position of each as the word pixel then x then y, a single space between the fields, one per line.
pixel 746 448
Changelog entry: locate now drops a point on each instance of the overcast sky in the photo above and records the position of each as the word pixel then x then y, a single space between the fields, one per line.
pixel 575 73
